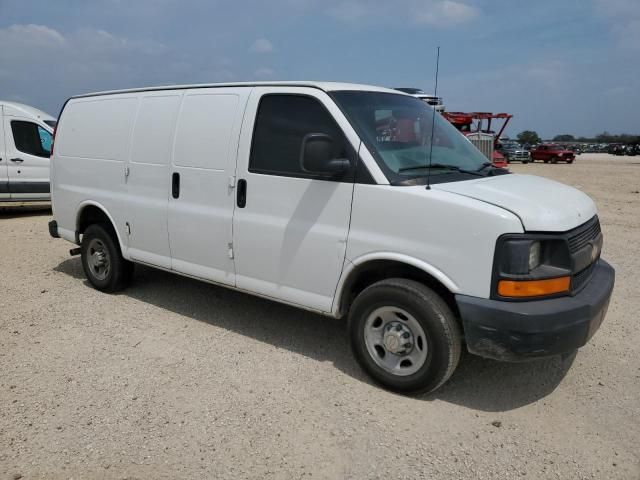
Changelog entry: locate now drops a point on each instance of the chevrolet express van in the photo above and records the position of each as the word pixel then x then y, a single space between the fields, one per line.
pixel 26 134
pixel 348 200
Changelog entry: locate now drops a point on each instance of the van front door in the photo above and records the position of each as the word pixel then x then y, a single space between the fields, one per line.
pixel 4 170
pixel 28 146
pixel 201 182
pixel 290 226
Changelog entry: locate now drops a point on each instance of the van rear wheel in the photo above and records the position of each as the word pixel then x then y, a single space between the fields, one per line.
pixel 404 336
pixel 102 261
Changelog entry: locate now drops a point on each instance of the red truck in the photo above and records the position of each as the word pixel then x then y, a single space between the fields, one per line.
pixel 476 126
pixel 552 153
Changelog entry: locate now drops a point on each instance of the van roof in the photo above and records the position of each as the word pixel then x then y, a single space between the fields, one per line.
pixel 326 86
pixel 30 111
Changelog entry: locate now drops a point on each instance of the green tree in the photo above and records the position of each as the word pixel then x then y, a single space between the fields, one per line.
pixel 528 136
pixel 564 138
pixel 605 137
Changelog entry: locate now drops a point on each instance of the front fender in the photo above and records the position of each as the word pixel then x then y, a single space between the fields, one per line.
pixel 352 265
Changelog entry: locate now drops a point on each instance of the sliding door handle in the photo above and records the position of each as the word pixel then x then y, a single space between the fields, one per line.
pixel 17 160
pixel 242 193
pixel 175 185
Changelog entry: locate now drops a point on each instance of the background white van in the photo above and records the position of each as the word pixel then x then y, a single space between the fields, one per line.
pixel 347 200
pixel 26 135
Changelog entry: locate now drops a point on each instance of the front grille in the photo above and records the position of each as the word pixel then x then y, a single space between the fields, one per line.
pixel 484 143
pixel 578 239
pixel 584 234
pixel 581 278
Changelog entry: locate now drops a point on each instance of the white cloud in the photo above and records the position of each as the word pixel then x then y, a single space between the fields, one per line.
pixel 446 13
pixel 624 16
pixel 83 44
pixel 438 13
pixel 51 65
pixel 31 36
pixel 262 45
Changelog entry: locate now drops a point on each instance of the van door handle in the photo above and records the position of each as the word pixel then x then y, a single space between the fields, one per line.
pixel 175 185
pixel 242 193
pixel 17 160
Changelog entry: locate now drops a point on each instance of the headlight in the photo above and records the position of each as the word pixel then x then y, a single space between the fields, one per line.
pixel 534 255
pixel 531 265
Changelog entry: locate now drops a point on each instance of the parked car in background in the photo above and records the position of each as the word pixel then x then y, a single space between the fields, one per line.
pixel 26 135
pixel 367 206
pixel 433 100
pixel 632 150
pixel 616 149
pixel 577 149
pixel 514 152
pixel 552 153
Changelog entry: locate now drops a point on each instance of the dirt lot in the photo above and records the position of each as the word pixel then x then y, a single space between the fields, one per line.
pixel 179 379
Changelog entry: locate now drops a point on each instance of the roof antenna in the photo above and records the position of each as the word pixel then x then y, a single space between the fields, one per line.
pixel 433 121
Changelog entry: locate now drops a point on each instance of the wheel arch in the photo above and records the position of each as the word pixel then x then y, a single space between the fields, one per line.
pixel 91 212
pixel 366 270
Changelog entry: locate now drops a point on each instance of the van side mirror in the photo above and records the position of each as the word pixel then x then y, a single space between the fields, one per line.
pixel 316 156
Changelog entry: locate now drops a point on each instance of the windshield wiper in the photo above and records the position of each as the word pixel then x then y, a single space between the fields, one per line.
pixel 484 165
pixel 494 170
pixel 444 166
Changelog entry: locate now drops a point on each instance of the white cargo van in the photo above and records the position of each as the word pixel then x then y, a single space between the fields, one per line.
pixel 25 145
pixel 341 199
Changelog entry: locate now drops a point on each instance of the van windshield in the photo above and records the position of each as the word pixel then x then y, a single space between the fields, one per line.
pixel 397 129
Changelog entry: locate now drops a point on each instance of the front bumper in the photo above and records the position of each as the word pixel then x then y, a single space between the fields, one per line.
pixel 516 331
pixel 520 157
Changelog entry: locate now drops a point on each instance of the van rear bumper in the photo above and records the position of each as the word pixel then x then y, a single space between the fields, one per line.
pixel 517 331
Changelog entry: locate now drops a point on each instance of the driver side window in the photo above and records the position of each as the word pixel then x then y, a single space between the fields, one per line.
pixel 282 122
pixel 31 138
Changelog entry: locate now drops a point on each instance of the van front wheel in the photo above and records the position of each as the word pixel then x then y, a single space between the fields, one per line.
pixel 102 260
pixel 404 335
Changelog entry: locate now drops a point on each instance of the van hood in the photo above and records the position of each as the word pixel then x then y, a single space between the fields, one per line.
pixel 541 204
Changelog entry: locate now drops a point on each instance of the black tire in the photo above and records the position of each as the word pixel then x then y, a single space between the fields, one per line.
pixel 524 162
pixel 435 318
pixel 119 271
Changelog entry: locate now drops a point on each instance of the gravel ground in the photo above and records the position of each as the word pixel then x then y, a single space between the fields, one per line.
pixel 174 378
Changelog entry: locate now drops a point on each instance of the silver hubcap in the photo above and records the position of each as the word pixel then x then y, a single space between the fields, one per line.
pixel 98 259
pixel 395 340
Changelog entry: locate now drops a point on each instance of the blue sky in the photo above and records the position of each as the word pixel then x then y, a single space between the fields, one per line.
pixel 563 66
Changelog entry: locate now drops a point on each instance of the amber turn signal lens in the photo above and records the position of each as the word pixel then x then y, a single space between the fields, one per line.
pixel 533 288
